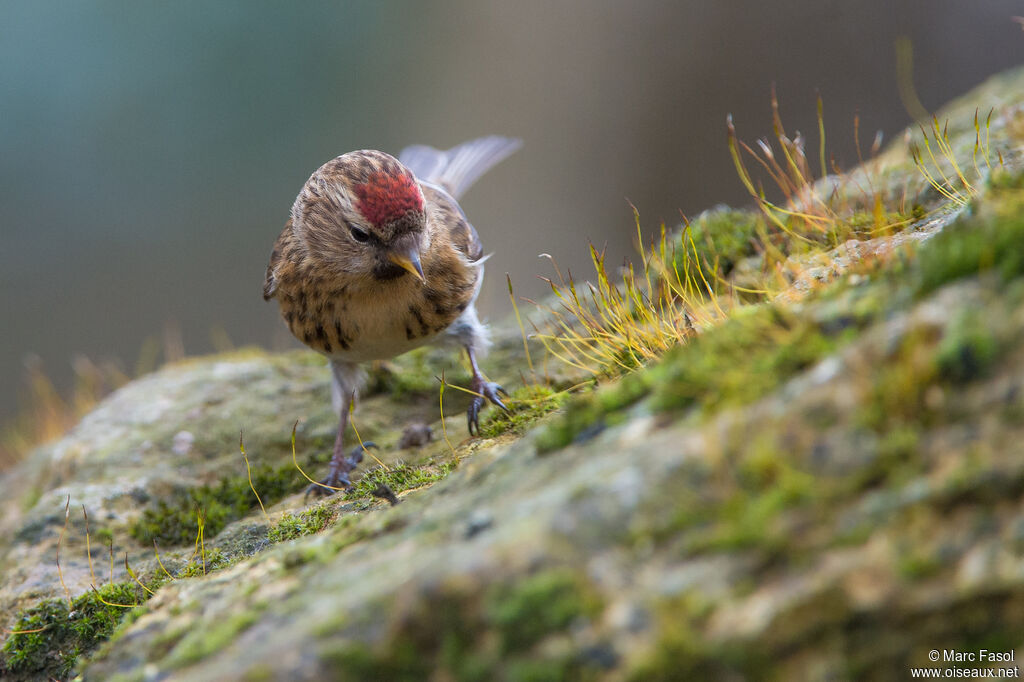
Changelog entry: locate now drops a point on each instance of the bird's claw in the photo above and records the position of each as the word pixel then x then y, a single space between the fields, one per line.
pixel 328 486
pixel 356 456
pixel 337 479
pixel 486 390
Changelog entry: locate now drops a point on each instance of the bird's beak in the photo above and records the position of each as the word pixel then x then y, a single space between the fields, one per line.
pixel 408 259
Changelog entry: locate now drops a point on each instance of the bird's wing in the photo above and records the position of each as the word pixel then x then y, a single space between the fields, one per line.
pixel 457 168
pixel 270 283
pixel 450 217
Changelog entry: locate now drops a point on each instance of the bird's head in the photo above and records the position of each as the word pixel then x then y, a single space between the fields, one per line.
pixel 363 214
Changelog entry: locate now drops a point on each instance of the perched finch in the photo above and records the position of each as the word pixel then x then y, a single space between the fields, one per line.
pixel 377 259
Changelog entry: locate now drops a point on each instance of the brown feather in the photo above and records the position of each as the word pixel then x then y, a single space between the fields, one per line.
pixel 280 246
pixel 450 217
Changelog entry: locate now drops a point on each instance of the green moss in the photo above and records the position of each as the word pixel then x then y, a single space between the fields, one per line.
pixel 747 522
pixel 917 564
pixel 31 497
pixel 310 521
pixel 741 360
pixel 586 414
pixel 209 560
pixel 1002 179
pixel 623 393
pixel 911 386
pixel 103 536
pixel 526 405
pixel 900 405
pixel 399 477
pixel 346 532
pixel 862 225
pixel 861 644
pixel 899 392
pixel 751 518
pixel 200 642
pixel 968 350
pixel 357 662
pixel 525 611
pixel 989 242
pixel 723 236
pixel 174 521
pixel 736 363
pixel 66 633
pixel 458 631
pixel 301 555
pixel 436 631
pixel 899 444
pixel 546 669
pixel 581 414
pixel 681 651
pixel 259 673
pixel 867 224
pixel 744 501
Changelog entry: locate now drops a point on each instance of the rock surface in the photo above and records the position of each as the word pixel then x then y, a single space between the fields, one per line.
pixel 827 487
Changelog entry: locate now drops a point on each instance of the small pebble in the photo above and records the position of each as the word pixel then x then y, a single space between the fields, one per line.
pixel 416 435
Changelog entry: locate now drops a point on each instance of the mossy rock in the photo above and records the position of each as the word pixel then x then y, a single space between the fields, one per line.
pixel 823 484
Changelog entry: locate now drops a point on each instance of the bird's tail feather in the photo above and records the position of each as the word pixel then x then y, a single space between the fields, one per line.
pixel 457 168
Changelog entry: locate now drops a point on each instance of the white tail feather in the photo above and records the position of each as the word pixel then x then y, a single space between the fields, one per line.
pixel 457 168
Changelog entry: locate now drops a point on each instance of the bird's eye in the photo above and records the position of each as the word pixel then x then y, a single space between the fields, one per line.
pixel 359 234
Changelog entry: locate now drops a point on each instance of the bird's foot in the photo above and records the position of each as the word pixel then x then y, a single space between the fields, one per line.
pixel 485 390
pixel 337 477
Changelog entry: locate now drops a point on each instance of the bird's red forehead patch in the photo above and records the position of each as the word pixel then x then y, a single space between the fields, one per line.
pixel 388 196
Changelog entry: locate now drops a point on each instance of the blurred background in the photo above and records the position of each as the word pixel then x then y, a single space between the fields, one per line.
pixel 149 152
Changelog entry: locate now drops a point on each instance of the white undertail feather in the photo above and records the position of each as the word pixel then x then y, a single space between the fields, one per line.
pixel 457 168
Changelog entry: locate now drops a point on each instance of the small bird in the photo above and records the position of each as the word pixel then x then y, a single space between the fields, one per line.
pixel 378 258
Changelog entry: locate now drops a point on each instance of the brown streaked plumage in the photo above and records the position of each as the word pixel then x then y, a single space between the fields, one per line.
pixel 377 259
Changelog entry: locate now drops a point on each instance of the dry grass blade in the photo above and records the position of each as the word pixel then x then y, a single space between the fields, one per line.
pixel 159 561
pixel 440 401
pixel 200 539
pixel 131 573
pixel 108 603
pixel 248 472
pixel 615 325
pixel 26 632
pixel 813 210
pixel 88 547
pixel 522 330
pixel 940 166
pixel 362 447
pixel 295 463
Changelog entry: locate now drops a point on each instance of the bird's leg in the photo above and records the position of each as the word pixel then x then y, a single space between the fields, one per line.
pixel 341 463
pixel 485 390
